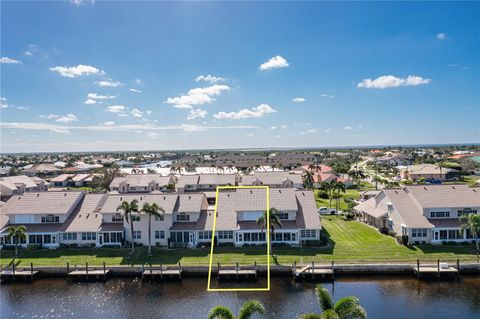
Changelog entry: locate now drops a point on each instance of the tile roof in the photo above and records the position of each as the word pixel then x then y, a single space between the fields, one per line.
pixel 217 179
pixel 166 201
pixel 87 217
pixel 271 178
pixel 429 196
pixel 42 203
pixel 21 179
pixel 141 180
pixel 187 180
pixel 190 202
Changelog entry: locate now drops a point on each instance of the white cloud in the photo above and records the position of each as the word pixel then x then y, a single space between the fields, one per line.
pixel 108 123
pixel 441 36
pixel 90 101
pixel 96 96
pixel 6 60
pixel 209 78
pixel 75 71
pixel 197 96
pixel 277 136
pixel 326 95
pixel 67 118
pixel 118 128
pixel 389 81
pixel 328 130
pixel 250 135
pixel 196 113
pixel 284 126
pixel 28 53
pixel 115 108
pixel 153 135
pixel 274 63
pixel 60 131
pixel 135 91
pixel 138 81
pixel 309 131
pixel 359 125
pixel 81 2
pixel 273 127
pixel 347 127
pixel 108 83
pixel 298 99
pixel 136 113
pixel 257 111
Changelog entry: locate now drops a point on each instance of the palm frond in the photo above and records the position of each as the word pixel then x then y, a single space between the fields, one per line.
pixel 310 316
pixel 349 308
pixel 220 312
pixel 324 298
pixel 249 308
pixel 330 314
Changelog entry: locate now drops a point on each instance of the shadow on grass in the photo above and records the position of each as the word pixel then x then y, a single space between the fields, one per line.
pixel 446 249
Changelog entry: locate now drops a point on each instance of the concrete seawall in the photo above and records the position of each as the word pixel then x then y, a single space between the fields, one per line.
pixel 202 271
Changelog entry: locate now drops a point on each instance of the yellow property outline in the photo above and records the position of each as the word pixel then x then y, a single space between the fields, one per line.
pixel 213 240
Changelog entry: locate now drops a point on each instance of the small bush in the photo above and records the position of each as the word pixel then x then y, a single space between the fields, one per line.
pixel 313 243
pixel 384 230
pixel 34 246
pixel 226 245
pixel 402 239
pixel 8 247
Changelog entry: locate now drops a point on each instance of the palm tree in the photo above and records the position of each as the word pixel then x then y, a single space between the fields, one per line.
pixel 151 210
pixel 308 180
pixel 246 312
pixel 274 221
pixel 472 223
pixel 345 308
pixel 18 233
pixel 128 209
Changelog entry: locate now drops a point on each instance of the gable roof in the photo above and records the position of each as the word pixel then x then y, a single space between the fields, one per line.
pixel 271 178
pixel 141 180
pixel 166 201
pixel 42 203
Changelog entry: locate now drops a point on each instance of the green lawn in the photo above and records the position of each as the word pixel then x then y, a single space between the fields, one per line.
pixel 350 242
pixel 324 202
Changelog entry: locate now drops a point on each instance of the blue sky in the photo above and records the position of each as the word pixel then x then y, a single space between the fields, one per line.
pixel 152 75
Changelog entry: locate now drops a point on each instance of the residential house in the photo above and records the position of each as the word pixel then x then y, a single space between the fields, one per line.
pixel 17 185
pixel 395 159
pixel 141 183
pixel 426 213
pixel 428 172
pixel 277 179
pixel 43 169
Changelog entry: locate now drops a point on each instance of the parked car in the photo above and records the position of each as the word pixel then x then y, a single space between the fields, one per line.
pixel 327 211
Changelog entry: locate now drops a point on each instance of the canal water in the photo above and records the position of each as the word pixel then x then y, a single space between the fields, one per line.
pixel 390 298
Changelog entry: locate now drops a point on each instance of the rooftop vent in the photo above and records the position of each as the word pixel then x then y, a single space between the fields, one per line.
pixel 141 197
pixel 189 197
pixel 424 188
pixel 65 194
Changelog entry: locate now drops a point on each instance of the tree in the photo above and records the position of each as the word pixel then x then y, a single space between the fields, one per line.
pixel 308 180
pixel 471 222
pixel 151 171
pixel 104 177
pixel 128 209
pixel 338 188
pixel 274 222
pixel 17 233
pixel 345 308
pixel 151 210
pixel 246 312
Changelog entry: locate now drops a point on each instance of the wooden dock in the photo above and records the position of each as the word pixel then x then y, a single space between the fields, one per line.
pixel 87 273
pixel 438 270
pixel 17 273
pixel 161 272
pixel 311 271
pixel 230 272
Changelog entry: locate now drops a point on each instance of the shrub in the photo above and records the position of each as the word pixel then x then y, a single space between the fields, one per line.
pixel 392 233
pixel 34 246
pixel 8 247
pixel 384 230
pixel 402 239
pixel 111 246
pixel 316 243
pixel 280 244
pixel 226 245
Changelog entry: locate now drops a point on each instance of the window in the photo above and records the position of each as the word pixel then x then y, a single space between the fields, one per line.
pixel 419 232
pixel 89 236
pixel 466 211
pixel 137 234
pixel 117 218
pixel 308 233
pixel 159 218
pixel 69 236
pixel 136 218
pixel 254 236
pixel 225 234
pixel 277 236
pixel 440 214
pixel 47 239
pixel 246 237
pixel 182 217
pixel 50 219
pixel 115 237
pixel 287 237
pixel 159 234
pixel 294 237
pixel 252 215
pixel 205 234
pixel 35 239
pixel 443 234
pixel 282 216
pixel 389 207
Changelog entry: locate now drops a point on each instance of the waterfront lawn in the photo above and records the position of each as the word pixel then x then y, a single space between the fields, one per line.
pixel 324 202
pixel 349 242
